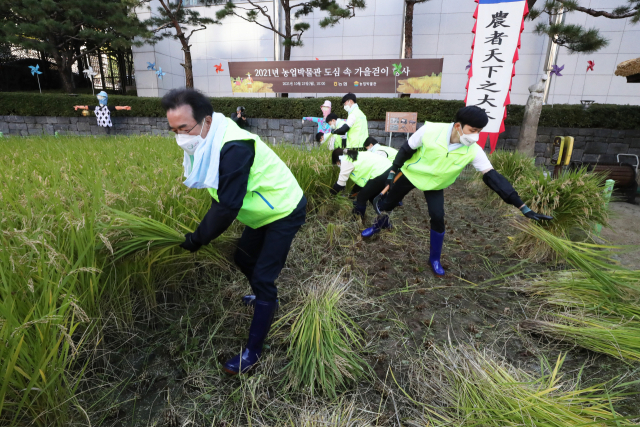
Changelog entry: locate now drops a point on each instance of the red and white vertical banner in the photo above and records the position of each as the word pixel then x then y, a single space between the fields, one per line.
pixel 499 24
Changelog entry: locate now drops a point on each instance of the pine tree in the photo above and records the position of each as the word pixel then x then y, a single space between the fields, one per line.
pixel 408 26
pixel 574 37
pixel 291 35
pixel 59 27
pixel 173 21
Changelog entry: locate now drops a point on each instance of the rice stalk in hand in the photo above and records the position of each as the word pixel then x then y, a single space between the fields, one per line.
pixel 131 234
pixel 477 388
pixel 324 341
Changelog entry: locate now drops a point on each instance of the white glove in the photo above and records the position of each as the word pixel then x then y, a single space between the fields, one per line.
pixel 303 120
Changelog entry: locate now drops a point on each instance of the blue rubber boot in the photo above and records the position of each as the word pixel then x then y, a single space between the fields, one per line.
pixel 260 325
pixel 382 222
pixel 436 250
pixel 249 300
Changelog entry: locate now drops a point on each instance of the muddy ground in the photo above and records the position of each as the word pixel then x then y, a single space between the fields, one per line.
pixel 166 370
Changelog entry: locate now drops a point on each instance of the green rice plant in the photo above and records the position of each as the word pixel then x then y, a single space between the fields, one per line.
pixel 575 199
pixel 477 388
pixel 513 165
pixel 610 335
pixel 128 234
pixel 587 311
pixel 324 340
pixel 592 259
pixel 312 168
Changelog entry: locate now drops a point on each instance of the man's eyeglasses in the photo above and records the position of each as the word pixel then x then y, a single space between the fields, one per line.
pixel 183 132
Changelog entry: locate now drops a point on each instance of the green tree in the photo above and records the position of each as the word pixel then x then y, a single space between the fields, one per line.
pixel 59 27
pixel 575 37
pixel 291 35
pixel 174 20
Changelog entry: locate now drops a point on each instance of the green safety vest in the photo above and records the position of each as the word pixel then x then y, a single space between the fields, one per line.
pixel 337 139
pixel 368 166
pixel 360 129
pixel 272 190
pixel 433 166
pixel 391 152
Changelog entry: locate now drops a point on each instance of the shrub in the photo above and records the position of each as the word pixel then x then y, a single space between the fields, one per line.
pixel 434 110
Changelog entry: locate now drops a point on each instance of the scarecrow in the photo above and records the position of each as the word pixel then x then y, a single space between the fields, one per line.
pixel 431 161
pixel 102 111
pixel 323 126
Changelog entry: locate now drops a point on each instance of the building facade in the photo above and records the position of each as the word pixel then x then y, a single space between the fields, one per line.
pixel 442 29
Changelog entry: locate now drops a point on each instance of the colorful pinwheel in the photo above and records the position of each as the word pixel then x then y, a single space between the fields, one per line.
pixel 160 73
pixel 590 66
pixel 36 71
pixel 556 70
pixel 218 67
pixel 151 66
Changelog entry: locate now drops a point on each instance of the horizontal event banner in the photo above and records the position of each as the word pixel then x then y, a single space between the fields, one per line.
pixel 339 76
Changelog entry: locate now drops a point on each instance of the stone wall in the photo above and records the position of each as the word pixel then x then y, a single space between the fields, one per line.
pixel 591 145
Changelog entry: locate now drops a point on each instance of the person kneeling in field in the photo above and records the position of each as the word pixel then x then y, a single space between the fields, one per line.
pixel 371 145
pixel 247 181
pixel 335 141
pixel 431 161
pixel 367 170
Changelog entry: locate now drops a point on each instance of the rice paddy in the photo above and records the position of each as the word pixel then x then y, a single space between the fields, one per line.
pixel 105 321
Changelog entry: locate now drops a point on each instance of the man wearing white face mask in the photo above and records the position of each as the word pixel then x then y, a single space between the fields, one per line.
pixel 356 128
pixel 431 161
pixel 248 182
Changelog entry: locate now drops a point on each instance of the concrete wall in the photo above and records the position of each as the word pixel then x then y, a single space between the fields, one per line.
pixel 442 29
pixel 590 145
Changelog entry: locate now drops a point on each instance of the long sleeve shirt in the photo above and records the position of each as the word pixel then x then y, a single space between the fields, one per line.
pixel 236 159
pixel 322 124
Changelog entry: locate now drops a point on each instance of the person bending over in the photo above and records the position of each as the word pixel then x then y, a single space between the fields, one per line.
pixel 367 170
pixel 247 181
pixel 371 145
pixel 431 161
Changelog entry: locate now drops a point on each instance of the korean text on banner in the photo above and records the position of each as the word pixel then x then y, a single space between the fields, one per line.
pixel 499 24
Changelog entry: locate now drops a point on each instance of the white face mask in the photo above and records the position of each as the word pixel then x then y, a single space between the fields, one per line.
pixel 189 143
pixel 333 126
pixel 347 108
pixel 468 139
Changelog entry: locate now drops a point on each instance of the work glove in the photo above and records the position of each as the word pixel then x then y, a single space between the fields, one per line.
pixel 391 177
pixel 336 189
pixel 189 244
pixel 533 215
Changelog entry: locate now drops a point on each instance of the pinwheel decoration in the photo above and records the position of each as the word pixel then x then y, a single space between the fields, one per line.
pixel 36 71
pixel 90 73
pixel 590 66
pixel 151 66
pixel 556 70
pixel 218 68
pixel 160 73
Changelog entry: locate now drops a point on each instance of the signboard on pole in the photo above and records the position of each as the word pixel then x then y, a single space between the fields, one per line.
pixel 401 122
pixel 495 52
pixel 338 76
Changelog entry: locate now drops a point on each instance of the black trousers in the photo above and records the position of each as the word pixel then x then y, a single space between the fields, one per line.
pixel 371 189
pixel 262 252
pixel 434 198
